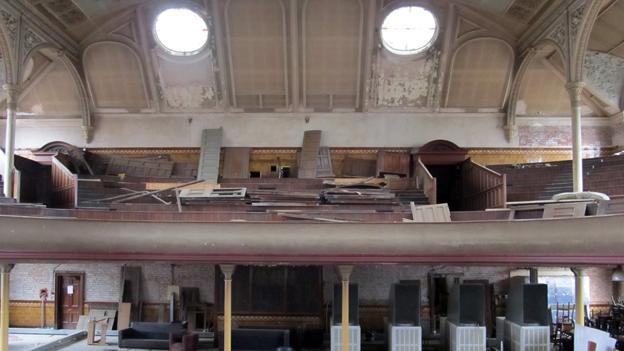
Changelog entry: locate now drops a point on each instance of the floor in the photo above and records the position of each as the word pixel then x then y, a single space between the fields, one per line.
pixel 111 344
pixel 23 342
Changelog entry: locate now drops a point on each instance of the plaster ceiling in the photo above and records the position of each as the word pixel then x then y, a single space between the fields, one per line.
pixel 80 17
pixel 608 33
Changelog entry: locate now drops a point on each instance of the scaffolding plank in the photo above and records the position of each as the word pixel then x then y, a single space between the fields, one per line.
pixel 309 153
pixel 324 167
pixel 210 155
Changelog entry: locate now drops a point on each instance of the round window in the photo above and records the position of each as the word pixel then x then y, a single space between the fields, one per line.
pixel 181 31
pixel 409 30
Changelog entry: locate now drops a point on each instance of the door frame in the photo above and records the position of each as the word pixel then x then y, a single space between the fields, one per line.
pixel 57 300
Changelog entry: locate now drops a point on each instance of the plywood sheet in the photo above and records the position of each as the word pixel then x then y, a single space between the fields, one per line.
pixel 210 155
pixel 309 154
pixel 236 162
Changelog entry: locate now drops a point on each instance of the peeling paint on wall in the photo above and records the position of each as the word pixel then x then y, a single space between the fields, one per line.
pixel 605 73
pixel 192 96
pixel 406 83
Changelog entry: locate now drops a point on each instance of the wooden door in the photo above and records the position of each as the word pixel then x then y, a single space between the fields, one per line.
pixel 70 299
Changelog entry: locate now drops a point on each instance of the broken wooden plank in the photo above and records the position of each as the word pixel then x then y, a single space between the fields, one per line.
pixel 210 155
pixel 309 154
pixel 312 218
pixel 236 162
pixel 161 186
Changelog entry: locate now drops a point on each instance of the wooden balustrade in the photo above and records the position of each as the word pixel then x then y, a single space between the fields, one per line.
pixel 482 187
pixel 64 185
pixel 425 181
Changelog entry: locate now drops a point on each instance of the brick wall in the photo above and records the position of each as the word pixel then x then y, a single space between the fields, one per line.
pixel 102 280
pixel 549 136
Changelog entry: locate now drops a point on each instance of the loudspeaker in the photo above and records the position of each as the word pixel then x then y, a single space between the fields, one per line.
pixel 353 305
pixel 405 304
pixel 527 303
pixel 467 304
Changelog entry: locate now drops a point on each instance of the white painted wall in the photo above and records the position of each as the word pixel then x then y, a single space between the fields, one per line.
pixel 272 129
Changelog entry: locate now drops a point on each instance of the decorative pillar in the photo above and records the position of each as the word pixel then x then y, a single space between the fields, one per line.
pixel 228 271
pixel 575 90
pixel 579 292
pixel 9 141
pixel 5 270
pixel 345 273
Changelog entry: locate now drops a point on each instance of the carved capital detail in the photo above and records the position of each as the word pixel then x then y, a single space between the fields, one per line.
pixel 575 90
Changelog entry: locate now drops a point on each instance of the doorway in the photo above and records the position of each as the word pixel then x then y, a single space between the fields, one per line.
pixel 69 299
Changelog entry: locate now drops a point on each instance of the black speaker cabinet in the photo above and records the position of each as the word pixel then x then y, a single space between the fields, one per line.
pixel 353 305
pixel 405 303
pixel 527 303
pixel 467 304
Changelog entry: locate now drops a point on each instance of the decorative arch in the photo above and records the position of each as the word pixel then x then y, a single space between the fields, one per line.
pixel 77 78
pixel 441 152
pixel 518 79
pixel 453 97
pixel 582 21
pixel 125 80
pixel 8 54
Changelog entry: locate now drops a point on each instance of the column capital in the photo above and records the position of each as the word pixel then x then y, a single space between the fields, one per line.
pixel 228 270
pixel 574 90
pixel 344 272
pixel 12 90
pixel 6 267
pixel 578 271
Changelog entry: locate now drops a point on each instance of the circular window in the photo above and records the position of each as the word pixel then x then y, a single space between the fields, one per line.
pixel 409 30
pixel 181 31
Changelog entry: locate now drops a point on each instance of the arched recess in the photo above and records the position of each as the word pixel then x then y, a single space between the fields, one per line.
pixel 257 53
pixel 58 84
pixel 115 76
pixel 542 90
pixel 332 47
pixel 480 74
pixel 520 73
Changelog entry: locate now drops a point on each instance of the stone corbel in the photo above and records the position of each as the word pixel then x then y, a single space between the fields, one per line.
pixel 511 130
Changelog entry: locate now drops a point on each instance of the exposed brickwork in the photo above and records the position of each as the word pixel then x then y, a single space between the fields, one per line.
pixel 549 136
pixel 102 280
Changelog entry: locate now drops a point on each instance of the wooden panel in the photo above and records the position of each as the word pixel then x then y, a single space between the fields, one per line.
pixel 393 163
pixel 210 154
pixel 71 298
pixel 236 162
pixel 64 185
pixel 358 167
pixel 565 210
pixel 273 290
pixel 309 153
pixel 482 188
pixel 131 290
pixel 430 213
pixel 324 164
pixel 140 167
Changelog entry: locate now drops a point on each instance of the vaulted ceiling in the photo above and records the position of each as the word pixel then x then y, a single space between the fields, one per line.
pixel 326 67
